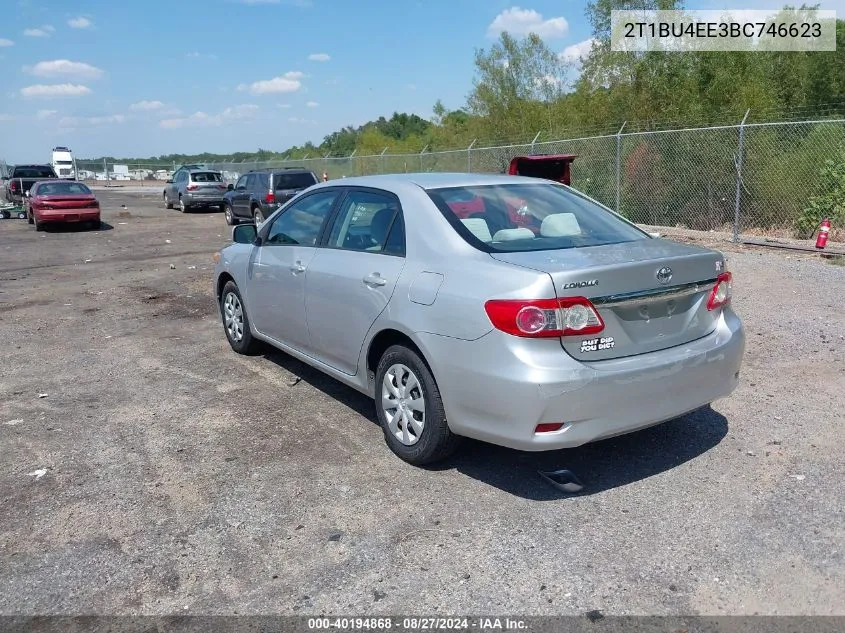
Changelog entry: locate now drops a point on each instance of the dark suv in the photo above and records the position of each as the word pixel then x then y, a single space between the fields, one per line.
pixel 260 192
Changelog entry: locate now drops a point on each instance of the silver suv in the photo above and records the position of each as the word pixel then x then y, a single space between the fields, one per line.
pixel 194 188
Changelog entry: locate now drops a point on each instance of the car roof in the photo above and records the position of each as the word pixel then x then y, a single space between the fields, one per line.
pixel 433 180
pixel 263 170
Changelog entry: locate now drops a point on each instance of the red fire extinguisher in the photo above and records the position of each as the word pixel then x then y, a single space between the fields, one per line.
pixel 824 230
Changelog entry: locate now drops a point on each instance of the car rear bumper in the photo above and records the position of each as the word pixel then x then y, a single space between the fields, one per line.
pixel 68 215
pixel 195 199
pixel 499 388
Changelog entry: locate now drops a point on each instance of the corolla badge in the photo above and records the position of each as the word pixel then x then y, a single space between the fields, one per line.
pixel 664 275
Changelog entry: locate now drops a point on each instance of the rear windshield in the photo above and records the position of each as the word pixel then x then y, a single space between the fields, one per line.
pixel 206 176
pixel 64 162
pixel 61 189
pixel 34 172
pixel 530 217
pixel 292 181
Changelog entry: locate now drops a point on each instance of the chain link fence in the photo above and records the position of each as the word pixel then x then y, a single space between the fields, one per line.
pixel 777 179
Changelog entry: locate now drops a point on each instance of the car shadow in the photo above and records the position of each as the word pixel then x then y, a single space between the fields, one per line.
pixel 600 466
pixel 76 227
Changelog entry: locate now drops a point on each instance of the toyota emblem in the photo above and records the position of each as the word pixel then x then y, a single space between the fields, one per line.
pixel 664 275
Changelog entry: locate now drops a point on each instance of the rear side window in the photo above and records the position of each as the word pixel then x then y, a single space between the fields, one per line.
pixel 530 217
pixel 283 181
pixel 206 176
pixel 364 221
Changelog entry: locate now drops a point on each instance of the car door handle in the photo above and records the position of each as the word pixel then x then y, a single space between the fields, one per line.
pixel 375 280
pixel 298 267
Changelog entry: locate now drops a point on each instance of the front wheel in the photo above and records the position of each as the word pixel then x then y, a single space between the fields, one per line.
pixel 235 321
pixel 410 409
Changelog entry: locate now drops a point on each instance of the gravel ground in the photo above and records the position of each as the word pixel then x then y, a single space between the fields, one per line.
pixel 162 473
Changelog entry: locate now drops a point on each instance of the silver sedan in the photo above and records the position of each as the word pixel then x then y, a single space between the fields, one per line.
pixel 512 310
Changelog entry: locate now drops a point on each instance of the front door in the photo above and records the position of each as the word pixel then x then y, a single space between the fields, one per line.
pixel 277 274
pixel 351 279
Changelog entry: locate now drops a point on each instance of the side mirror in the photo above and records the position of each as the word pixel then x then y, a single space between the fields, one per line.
pixel 244 233
pixel 27 193
pixel 230 187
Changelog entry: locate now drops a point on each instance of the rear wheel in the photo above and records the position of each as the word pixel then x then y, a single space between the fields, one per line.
pixel 231 220
pixel 184 208
pixel 257 216
pixel 235 321
pixel 167 203
pixel 410 409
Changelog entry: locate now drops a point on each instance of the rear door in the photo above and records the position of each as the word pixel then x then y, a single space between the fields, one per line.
pixel 352 277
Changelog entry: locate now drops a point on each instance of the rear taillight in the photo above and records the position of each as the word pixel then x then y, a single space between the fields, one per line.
pixel 221 187
pixel 192 187
pixel 568 316
pixel 270 197
pixel 721 293
pixel 13 186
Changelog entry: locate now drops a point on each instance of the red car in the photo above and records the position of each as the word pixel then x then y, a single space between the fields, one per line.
pixel 62 201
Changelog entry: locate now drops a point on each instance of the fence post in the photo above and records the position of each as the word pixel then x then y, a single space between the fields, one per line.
pixel 469 155
pixel 739 175
pixel 534 141
pixel 352 162
pixel 382 159
pixel 421 157
pixel 619 166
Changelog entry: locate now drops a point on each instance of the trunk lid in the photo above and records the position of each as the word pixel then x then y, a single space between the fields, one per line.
pixel 67 201
pixel 641 313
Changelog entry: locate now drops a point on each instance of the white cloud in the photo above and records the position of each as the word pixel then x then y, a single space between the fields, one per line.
pixel 46 114
pixel 289 82
pixel 312 104
pixel 42 31
pixel 6 117
pixel 519 22
pixel 55 90
pixel 147 105
pixel 79 23
pixel 73 122
pixel 575 52
pixel 294 119
pixel 5 42
pixel 196 55
pixel 65 68
pixel 284 105
pixel 203 119
pixel 319 57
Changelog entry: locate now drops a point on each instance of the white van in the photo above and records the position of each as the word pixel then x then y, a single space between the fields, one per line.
pixel 63 163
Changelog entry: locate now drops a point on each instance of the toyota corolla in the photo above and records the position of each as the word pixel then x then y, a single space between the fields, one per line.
pixel 509 309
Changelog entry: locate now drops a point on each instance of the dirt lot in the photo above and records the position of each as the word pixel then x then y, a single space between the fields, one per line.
pixel 162 473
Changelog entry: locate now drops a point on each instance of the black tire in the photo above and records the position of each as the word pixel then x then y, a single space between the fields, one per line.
pixel 167 205
pixel 29 218
pixel 231 220
pixel 257 216
pixel 39 226
pixel 184 208
pixel 436 441
pixel 247 345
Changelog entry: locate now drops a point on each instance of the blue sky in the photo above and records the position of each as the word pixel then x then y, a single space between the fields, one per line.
pixel 229 75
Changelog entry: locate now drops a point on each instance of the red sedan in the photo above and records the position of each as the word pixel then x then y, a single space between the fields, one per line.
pixel 62 201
